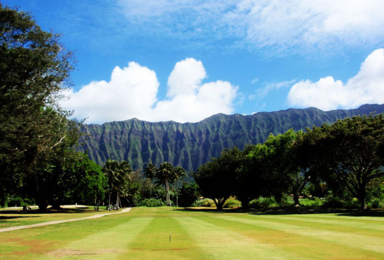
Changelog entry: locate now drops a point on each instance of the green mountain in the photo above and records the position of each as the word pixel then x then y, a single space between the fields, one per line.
pixel 192 144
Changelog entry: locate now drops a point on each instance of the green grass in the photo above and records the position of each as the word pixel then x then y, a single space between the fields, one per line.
pixel 11 217
pixel 174 233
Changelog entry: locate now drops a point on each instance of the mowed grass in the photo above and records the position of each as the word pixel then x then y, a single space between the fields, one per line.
pixel 169 233
pixel 11 217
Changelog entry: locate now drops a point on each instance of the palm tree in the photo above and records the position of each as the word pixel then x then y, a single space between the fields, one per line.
pixel 117 176
pixel 166 174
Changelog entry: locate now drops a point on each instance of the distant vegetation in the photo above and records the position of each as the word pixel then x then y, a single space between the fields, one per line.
pixel 190 145
pixel 339 163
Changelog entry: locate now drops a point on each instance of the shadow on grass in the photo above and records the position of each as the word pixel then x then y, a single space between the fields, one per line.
pixel 15 217
pixel 50 211
pixel 293 211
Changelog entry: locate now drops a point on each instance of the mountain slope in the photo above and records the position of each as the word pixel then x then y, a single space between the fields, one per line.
pixel 192 144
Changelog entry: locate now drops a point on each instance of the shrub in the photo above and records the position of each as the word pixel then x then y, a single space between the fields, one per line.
pixel 18 201
pixel 376 203
pixel 286 201
pixel 333 202
pixel 204 203
pixel 352 203
pixel 232 203
pixel 312 202
pixel 262 202
pixel 152 202
pixel 188 194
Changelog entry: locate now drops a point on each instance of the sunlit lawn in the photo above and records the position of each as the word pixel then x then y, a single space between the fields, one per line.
pixel 10 217
pixel 169 233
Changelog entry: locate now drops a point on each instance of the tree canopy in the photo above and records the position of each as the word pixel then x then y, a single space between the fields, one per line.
pixel 165 174
pixel 34 130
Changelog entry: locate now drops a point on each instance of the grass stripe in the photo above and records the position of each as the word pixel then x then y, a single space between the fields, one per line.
pixel 360 226
pixel 107 244
pixel 164 238
pixel 354 241
pixel 371 219
pixel 222 243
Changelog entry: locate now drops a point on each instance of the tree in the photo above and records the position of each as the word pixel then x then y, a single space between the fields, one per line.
pixel 34 69
pixel 349 153
pixel 90 182
pixel 189 193
pixel 217 178
pixel 291 172
pixel 254 176
pixel 166 174
pixel 118 179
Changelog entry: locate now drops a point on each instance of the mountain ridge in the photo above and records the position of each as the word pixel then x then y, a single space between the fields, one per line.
pixel 192 144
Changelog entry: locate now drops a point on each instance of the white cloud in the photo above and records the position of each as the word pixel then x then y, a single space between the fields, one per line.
pixel 261 93
pixel 132 92
pixel 278 24
pixel 327 93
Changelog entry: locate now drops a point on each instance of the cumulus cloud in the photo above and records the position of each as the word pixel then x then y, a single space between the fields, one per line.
pixel 132 92
pixel 327 93
pixel 278 24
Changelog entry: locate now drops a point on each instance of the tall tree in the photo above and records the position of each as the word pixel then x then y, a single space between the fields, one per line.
pixel 117 175
pixel 254 176
pixel 166 174
pixel 34 69
pixel 284 164
pixel 217 178
pixel 349 152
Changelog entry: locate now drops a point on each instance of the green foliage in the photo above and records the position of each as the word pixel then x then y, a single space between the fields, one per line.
pixel 152 202
pixel 118 180
pixel 19 202
pixel 166 174
pixel 311 202
pixel 336 202
pixel 376 203
pixel 35 133
pixel 348 155
pixel 232 203
pixel 217 178
pixel 189 193
pixel 204 203
pixel 261 202
pixel 90 180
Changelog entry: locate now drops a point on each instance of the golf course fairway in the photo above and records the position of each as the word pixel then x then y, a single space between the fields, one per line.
pixel 175 233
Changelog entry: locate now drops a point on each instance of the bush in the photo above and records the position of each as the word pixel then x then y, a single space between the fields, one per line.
pixel 152 202
pixel 188 194
pixel 333 202
pixel 232 203
pixel 376 203
pixel 18 201
pixel 262 202
pixel 204 203
pixel 351 203
pixel 286 201
pixel 313 202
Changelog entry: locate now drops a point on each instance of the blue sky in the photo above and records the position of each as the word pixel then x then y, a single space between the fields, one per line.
pixel 160 60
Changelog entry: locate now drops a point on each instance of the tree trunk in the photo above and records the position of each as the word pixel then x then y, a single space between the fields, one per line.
pixel 167 192
pixel 362 200
pixel 42 206
pixel 245 203
pixel 296 198
pixel 56 204
pixel 219 203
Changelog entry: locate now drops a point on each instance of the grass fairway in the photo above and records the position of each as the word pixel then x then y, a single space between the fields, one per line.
pixel 169 233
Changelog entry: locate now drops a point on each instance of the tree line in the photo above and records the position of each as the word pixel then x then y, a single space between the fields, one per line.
pixel 344 159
